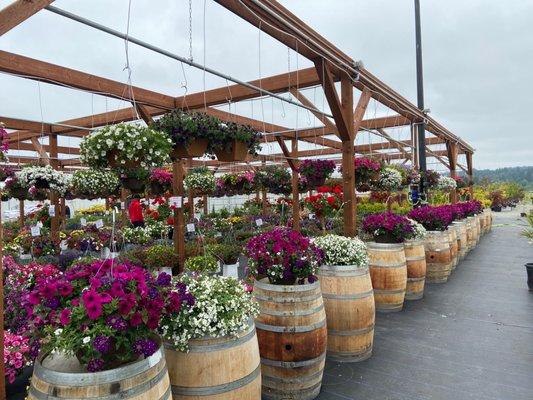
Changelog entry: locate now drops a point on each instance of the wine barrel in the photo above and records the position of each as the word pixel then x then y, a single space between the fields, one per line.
pixel 489 219
pixel 462 242
pixel 224 368
pixel 478 227
pixel 482 223
pixel 292 335
pixel 454 248
pixel 61 377
pixel 471 232
pixel 388 271
pixel 415 257
pixel 350 311
pixel 438 256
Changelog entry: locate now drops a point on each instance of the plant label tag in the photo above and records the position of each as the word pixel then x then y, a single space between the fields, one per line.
pixel 52 211
pixel 190 228
pixel 35 231
pixel 39 224
pixel 311 216
pixel 218 234
pixel 99 224
pixel 83 222
pixel 175 201
pixel 259 222
pixel 122 205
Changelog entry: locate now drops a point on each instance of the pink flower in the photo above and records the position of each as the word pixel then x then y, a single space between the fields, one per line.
pixel 64 318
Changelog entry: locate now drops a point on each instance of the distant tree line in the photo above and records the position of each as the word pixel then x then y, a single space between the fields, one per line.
pixel 521 175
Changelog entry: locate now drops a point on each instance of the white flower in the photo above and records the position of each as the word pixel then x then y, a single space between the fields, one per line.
pixel 341 250
pixel 446 183
pixel 58 331
pixel 86 340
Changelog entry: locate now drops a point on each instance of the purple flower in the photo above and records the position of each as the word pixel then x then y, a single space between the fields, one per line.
pixel 103 344
pixel 145 347
pixel 388 226
pixel 163 279
pixel 53 303
pixel 96 364
pixel 117 323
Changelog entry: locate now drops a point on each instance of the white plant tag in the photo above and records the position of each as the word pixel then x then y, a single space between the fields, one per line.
pixel 175 201
pixel 99 224
pixel 39 224
pixel 35 231
pixel 311 216
pixel 122 205
pixel 52 211
pixel 190 228
pixel 259 222
pixel 83 222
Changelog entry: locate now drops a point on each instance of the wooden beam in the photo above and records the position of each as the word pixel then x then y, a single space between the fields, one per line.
pixel 55 74
pixel 38 147
pixel 360 109
pixel 18 12
pixel 25 125
pixel 321 117
pixel 287 153
pixel 46 148
pixel 348 155
pixel 451 148
pixel 144 113
pixel 328 83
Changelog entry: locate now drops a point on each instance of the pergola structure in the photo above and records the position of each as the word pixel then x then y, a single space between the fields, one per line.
pixel 337 74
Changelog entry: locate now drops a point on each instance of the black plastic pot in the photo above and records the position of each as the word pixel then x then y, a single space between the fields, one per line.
pixel 496 208
pixel 17 389
pixel 529 270
pixel 133 184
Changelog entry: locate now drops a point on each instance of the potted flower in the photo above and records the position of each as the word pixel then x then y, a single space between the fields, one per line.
pixel 460 182
pixel 497 200
pixel 4 144
pixel 190 132
pixel 134 179
pixel 387 227
pixel 348 297
pixel 229 256
pixel 6 172
pixel 43 178
pixel 326 203
pixel 160 181
pixel 446 184
pixel 431 178
pixel 200 181
pixel 313 173
pixel 104 313
pixel 94 183
pixel 203 264
pixel 233 142
pixel 274 179
pixel 15 189
pixel 390 180
pixel 367 171
pixel 16 355
pixel 161 258
pixel 218 326
pixel 279 259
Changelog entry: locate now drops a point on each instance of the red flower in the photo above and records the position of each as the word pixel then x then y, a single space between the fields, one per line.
pixel 170 221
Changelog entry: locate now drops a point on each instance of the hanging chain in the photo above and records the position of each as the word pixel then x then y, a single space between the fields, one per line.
pixel 190 30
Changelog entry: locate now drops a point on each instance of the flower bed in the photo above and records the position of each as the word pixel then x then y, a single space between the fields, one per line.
pixel 388 227
pixel 16 355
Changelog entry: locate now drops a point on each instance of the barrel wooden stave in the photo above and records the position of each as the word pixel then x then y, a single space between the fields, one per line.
pixel 415 257
pixel 454 248
pixel 350 312
pixel 471 233
pixel 197 374
pixel 462 242
pixel 438 257
pixel 388 271
pixel 292 335
pixel 146 379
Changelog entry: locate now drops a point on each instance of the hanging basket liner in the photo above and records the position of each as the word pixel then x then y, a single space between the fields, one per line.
pixel 133 184
pixel 112 161
pixel 236 151
pixel 157 188
pixel 196 148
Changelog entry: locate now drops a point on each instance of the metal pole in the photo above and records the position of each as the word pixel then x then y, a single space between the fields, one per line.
pixel 420 96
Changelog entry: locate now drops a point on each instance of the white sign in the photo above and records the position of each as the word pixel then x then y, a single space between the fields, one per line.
pixel 99 224
pixel 175 201
pixel 218 234
pixel 259 222
pixel 311 216
pixel 83 222
pixel 40 224
pixel 35 231
pixel 122 205
pixel 52 211
pixel 190 228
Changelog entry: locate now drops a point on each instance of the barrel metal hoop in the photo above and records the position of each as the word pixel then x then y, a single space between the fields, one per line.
pixel 353 269
pixel 385 246
pixel 419 258
pixel 385 291
pixel 295 313
pixel 123 394
pixel 218 389
pixel 311 392
pixel 293 364
pixel 306 378
pixel 416 279
pixel 354 296
pixel 288 299
pixel 231 342
pixel 352 332
pixel 383 265
pixel 290 329
pixel 288 288
pixel 97 378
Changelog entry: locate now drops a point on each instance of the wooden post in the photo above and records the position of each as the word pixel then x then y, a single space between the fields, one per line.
pixel 179 234
pixel 124 206
pixel 348 161
pixel 295 190
pixel 21 212
pixel 63 213
pixel 452 160
pixel 107 203
pixel 206 208
pixel 54 197
pixel 191 205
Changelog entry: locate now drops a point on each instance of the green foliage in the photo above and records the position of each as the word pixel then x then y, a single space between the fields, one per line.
pixel 522 176
pixel 160 256
pixel 208 264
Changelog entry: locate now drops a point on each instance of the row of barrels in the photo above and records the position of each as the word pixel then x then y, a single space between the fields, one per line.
pixel 283 355
pixel 399 271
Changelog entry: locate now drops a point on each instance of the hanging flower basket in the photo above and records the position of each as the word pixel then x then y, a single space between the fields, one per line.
pixel 134 185
pixel 19 193
pixel 114 162
pixel 196 148
pixel 235 151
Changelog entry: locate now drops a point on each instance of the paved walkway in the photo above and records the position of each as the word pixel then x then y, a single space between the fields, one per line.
pixel 471 338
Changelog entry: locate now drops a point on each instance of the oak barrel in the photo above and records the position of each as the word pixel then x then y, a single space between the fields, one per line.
pixel 471 232
pixel 438 256
pixel 388 271
pixel 61 377
pixel 415 257
pixel 350 311
pixel 478 227
pixel 454 248
pixel 224 368
pixel 462 243
pixel 292 335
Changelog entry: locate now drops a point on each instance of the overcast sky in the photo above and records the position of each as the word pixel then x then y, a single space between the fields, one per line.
pixel 478 60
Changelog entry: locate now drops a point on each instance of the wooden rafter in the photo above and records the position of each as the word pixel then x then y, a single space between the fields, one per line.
pixel 18 12
pixel 321 117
